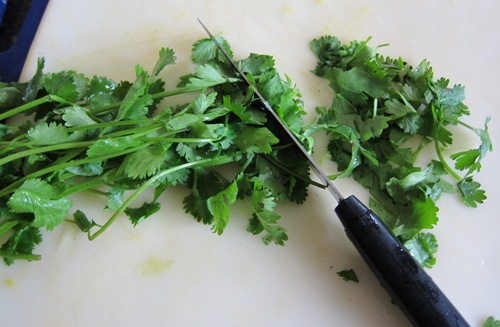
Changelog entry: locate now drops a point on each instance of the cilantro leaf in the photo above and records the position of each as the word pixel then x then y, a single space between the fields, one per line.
pixel 218 205
pixel 47 134
pixel 205 50
pixel 247 115
pixel 41 199
pixel 423 247
pixel 77 116
pixel 206 76
pixel 255 139
pixel 467 160
pixel 203 101
pixel 134 105
pixel 136 215
pixel 264 217
pixel 257 64
pixel 326 48
pixel 348 275
pixel 88 169
pixel 491 322
pixel 115 198
pixel 204 186
pixel 145 161
pixel 355 84
pixel 83 223
pixel 166 57
pixel 102 92
pixel 68 85
pixel 21 244
pixel 106 146
pixel 470 192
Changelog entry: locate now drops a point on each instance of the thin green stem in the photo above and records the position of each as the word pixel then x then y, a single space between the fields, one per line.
pixel 441 157
pixel 113 123
pixel 160 95
pixel 21 256
pixel 47 148
pixel 33 104
pixel 200 163
pixel 136 132
pixel 91 184
pixel 64 165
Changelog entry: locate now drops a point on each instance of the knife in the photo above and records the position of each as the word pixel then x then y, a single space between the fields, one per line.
pixel 410 287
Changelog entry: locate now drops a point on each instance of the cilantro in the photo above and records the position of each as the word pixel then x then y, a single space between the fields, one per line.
pixel 348 275
pixel 136 215
pixel 381 104
pixel 423 247
pixel 83 223
pixel 43 200
pixel 218 205
pixel 264 218
pixel 491 322
pixel 95 135
pixel 21 243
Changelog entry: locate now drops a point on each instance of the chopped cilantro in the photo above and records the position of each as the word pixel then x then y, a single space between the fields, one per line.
pixel 348 275
pixel 381 105
pixel 491 322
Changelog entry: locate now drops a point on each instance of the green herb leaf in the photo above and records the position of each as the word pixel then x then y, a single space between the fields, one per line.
pixel 83 223
pixel 423 247
pixel 470 192
pixel 41 199
pixel 348 275
pixel 20 244
pixel 219 206
pixel 46 134
pixel 145 162
pixel 264 218
pixel 255 139
pixel 108 146
pixel 68 85
pixel 166 57
pixel 491 322
pixel 136 215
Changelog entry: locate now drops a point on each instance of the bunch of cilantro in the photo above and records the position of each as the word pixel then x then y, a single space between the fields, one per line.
pixel 118 140
pixel 383 114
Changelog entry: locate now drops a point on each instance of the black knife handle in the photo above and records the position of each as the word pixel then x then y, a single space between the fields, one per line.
pixel 412 289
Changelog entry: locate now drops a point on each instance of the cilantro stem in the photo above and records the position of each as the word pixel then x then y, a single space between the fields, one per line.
pixel 113 123
pixel 155 96
pixel 64 165
pixel 48 148
pixel 200 163
pixel 440 155
pixel 139 131
pixel 21 256
pixel 90 184
pixel 7 225
pixel 33 104
pixel 178 140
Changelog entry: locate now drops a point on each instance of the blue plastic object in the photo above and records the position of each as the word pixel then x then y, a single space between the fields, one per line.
pixel 12 60
pixel 3 3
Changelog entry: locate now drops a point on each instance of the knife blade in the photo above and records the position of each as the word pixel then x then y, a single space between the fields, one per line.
pixel 410 287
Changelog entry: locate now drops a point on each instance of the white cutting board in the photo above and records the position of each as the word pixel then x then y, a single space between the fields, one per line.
pixel 173 271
